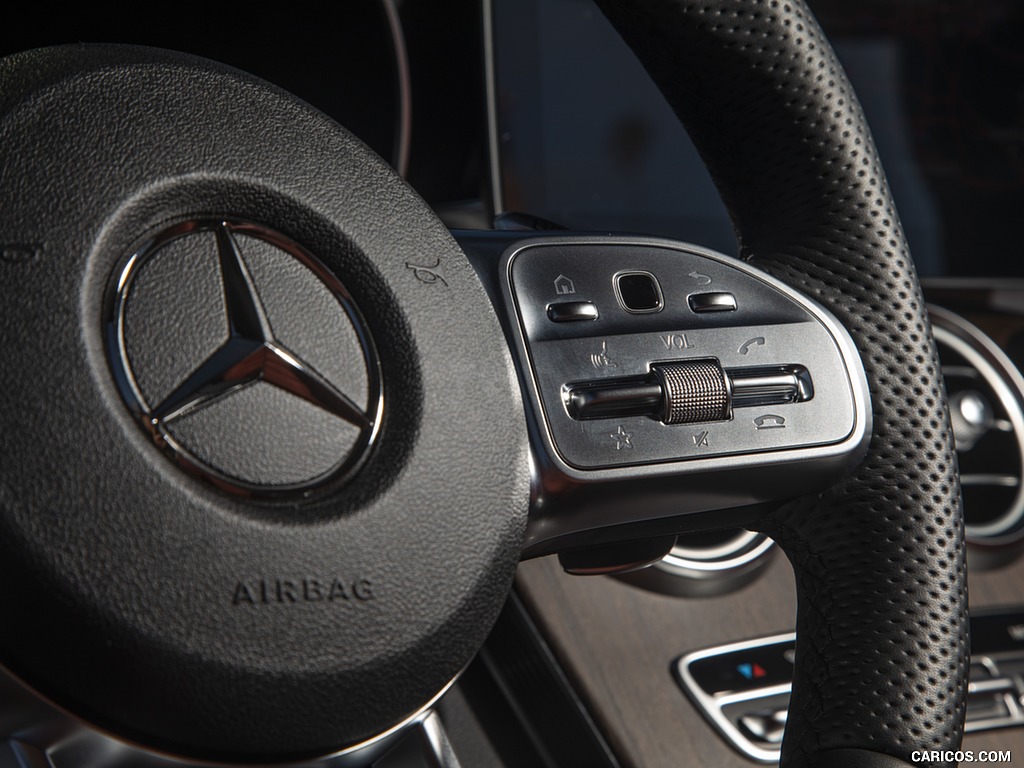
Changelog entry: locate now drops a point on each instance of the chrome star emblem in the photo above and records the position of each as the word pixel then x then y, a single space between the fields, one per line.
pixel 250 354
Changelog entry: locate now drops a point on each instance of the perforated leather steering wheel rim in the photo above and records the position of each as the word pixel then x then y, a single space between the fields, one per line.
pixel 882 630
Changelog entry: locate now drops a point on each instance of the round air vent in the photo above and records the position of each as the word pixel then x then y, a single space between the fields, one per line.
pixel 706 564
pixel 986 401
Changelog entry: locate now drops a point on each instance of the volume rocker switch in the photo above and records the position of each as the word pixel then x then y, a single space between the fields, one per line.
pixel 689 392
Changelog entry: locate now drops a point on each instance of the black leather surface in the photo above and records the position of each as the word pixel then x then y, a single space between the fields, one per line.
pixel 859 758
pixel 882 630
pixel 120 573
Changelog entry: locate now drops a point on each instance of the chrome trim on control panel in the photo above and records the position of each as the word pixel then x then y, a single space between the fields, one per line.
pixel 622 302
pixel 824 459
pixel 856 439
pixel 711 707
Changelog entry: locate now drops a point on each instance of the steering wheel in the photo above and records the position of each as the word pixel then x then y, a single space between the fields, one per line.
pixel 165 527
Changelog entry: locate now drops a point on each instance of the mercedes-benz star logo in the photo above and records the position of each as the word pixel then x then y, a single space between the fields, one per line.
pixel 200 359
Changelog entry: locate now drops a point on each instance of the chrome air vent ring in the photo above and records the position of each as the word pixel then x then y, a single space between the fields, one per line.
pixel 707 564
pixel 986 393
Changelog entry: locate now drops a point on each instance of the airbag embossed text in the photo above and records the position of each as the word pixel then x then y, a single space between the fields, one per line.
pixel 254 592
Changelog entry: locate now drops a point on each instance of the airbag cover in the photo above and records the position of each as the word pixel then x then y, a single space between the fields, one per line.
pixel 205 619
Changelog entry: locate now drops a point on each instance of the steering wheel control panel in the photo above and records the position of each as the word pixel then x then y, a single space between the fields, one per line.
pixel 643 359
pixel 743 688
pixel 646 354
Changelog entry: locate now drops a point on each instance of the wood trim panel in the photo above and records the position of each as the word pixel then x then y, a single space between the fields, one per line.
pixel 617 642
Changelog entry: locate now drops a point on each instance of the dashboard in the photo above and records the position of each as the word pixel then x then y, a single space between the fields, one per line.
pixel 528 118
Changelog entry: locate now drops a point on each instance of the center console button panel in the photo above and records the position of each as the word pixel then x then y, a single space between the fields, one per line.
pixel 743 688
